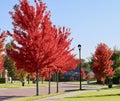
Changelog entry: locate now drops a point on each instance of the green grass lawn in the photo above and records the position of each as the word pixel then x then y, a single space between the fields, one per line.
pixel 17 84
pixel 102 95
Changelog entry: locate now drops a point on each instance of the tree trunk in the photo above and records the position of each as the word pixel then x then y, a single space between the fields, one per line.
pixel 110 83
pixel 57 80
pixel 49 84
pixel 28 79
pixel 23 83
pixel 42 80
pixel 37 81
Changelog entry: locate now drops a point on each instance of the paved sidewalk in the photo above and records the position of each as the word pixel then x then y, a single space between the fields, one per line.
pixel 68 94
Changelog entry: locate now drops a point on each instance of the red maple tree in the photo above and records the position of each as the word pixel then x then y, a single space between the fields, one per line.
pixel 38 46
pixel 102 62
pixel 2 50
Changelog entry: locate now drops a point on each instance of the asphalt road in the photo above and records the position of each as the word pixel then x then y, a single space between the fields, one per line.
pixel 23 92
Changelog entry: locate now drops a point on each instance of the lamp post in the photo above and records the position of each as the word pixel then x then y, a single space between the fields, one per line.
pixel 79 47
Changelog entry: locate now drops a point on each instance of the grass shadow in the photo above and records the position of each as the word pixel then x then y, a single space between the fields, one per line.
pixel 3 98
pixel 88 89
pixel 72 90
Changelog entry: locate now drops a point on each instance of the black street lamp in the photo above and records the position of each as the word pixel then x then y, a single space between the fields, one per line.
pixel 79 47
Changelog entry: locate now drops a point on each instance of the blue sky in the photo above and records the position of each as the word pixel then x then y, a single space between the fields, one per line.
pixel 90 21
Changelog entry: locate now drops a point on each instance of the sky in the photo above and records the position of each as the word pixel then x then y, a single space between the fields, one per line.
pixel 91 21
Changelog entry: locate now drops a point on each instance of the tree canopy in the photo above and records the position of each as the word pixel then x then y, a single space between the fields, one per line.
pixel 38 44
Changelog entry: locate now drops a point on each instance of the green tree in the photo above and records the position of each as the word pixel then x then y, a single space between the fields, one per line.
pixel 116 59
pixel 116 63
pixel 86 66
pixel 9 64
